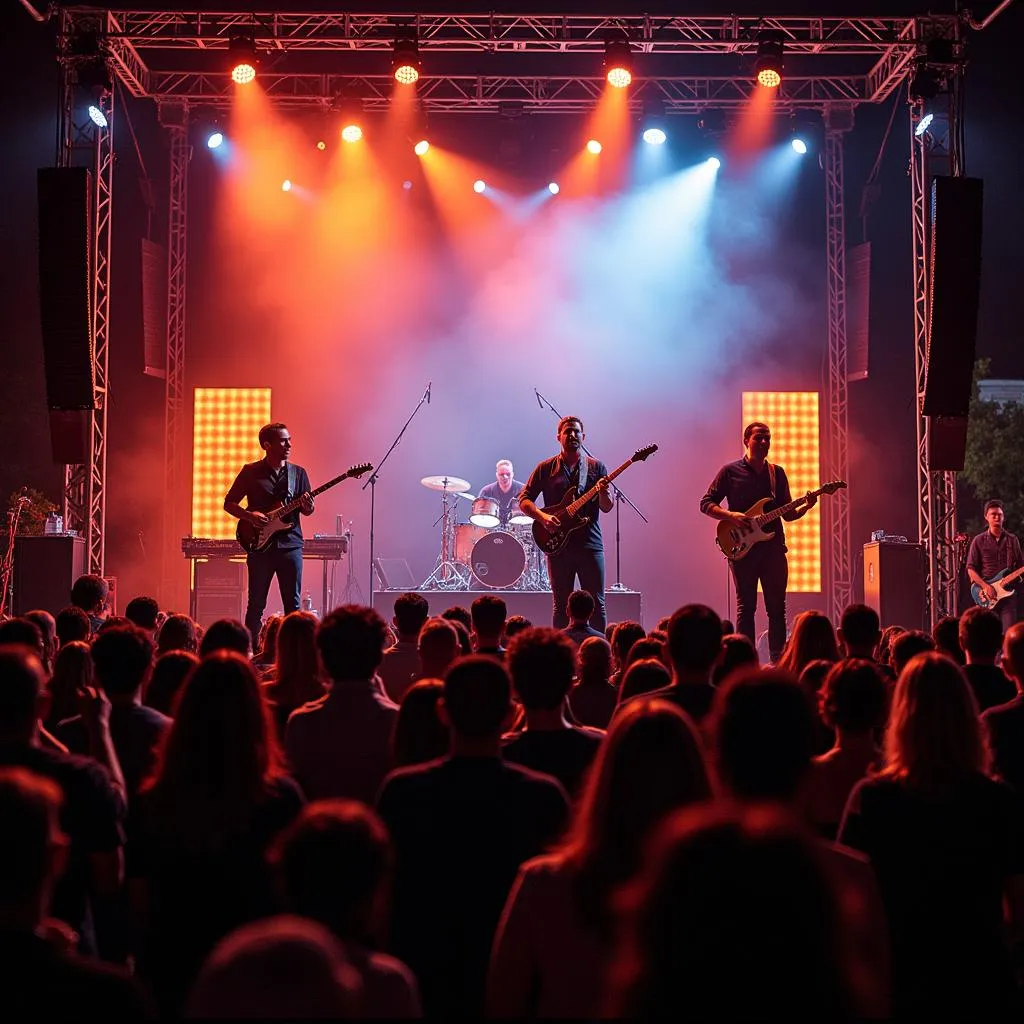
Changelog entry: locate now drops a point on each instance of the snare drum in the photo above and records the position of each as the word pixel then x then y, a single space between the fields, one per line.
pixel 498 560
pixel 519 518
pixel 484 513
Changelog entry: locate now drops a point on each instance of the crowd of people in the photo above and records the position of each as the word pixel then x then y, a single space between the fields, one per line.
pixel 467 815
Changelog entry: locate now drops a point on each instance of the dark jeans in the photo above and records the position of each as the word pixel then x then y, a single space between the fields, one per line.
pixel 263 565
pixel 766 562
pixel 563 568
pixel 1007 610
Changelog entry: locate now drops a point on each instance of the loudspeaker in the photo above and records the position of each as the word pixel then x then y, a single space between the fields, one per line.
pixel 220 590
pixel 70 435
pixel 894 583
pixel 44 570
pixel 65 286
pixel 947 443
pixel 955 278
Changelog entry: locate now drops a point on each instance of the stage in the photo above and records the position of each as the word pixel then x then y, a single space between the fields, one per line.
pixel 534 604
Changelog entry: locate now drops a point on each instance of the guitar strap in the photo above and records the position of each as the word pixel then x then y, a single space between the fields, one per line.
pixel 771 478
pixel 584 465
pixel 293 482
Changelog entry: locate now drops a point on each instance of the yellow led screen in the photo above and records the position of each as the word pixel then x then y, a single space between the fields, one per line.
pixel 226 422
pixel 793 418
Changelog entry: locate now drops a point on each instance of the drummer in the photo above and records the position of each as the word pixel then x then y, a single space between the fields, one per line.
pixel 505 491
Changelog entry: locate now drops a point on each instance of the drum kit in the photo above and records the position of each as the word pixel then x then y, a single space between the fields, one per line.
pixel 485 553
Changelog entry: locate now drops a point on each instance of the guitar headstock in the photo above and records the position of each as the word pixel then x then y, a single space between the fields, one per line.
pixel 358 471
pixel 642 454
pixel 832 486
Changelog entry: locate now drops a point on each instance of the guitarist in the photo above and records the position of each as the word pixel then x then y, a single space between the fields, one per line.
pixel 265 485
pixel 583 554
pixel 742 484
pixel 991 552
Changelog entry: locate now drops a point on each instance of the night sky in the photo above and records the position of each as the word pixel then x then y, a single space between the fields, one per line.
pixel 881 423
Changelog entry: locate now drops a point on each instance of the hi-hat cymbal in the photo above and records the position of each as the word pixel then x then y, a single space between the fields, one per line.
pixel 445 483
pixel 468 495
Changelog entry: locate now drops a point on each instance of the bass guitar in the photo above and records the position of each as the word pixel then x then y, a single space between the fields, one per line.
pixel 257 538
pixel 551 540
pixel 1000 581
pixel 736 540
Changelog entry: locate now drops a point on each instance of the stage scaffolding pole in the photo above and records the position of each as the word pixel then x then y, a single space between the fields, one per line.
pixel 175 117
pixel 837 510
pixel 936 490
pixel 85 490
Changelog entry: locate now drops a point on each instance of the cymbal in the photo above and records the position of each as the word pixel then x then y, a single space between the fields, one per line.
pixel 468 495
pixel 445 483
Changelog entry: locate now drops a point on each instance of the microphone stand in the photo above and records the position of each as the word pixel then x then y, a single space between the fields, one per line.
pixel 372 481
pixel 7 566
pixel 620 497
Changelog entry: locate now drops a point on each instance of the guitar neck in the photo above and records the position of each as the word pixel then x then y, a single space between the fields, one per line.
pixel 575 506
pixel 1010 577
pixel 287 510
pixel 770 517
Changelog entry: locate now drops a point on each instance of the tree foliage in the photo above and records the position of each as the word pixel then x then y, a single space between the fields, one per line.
pixel 994 464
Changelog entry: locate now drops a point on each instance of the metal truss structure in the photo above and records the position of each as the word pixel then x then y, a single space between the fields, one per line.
pixel 837 511
pixel 309 60
pixel 941 144
pixel 80 142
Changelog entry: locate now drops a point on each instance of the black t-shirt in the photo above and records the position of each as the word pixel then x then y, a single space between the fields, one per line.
pixel 564 754
pixel 577 634
pixel 1006 737
pixel 508 501
pixel 196 898
pixel 741 486
pixel 990 685
pixel 461 827
pixel 91 817
pixel 941 863
pixel 42 983
pixel 265 488
pixel 136 731
pixel 693 698
pixel 552 479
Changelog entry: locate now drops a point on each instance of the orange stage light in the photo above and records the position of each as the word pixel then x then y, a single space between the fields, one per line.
pixel 794 420
pixel 226 422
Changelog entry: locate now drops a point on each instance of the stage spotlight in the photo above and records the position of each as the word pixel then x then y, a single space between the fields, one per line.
pixel 286 185
pixel 405 65
pixel 553 188
pixel 421 147
pixel 714 163
pixel 922 126
pixel 97 116
pixel 351 133
pixel 593 146
pixel 654 136
pixel 243 58
pixel 618 63
pixel 479 185
pixel 407 185
pixel 769 59
pixel 798 144
pixel 214 140
pixel 321 145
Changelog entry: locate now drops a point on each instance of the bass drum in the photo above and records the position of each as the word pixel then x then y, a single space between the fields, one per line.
pixel 498 561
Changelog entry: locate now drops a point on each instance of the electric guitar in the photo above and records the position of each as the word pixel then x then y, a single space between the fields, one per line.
pixel 736 541
pixel 1000 582
pixel 257 538
pixel 552 540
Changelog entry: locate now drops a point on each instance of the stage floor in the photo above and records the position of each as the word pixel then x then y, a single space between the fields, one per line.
pixel 534 604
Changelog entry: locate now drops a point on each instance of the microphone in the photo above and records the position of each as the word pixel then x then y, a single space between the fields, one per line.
pixel 430 384
pixel 539 402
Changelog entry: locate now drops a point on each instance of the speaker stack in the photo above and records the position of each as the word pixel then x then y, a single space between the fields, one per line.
pixel 894 583
pixel 220 589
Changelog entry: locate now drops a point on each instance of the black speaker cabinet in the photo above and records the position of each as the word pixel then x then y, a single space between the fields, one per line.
pixel 947 443
pixel 955 274
pixel 44 570
pixel 65 286
pixel 220 589
pixel 894 583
